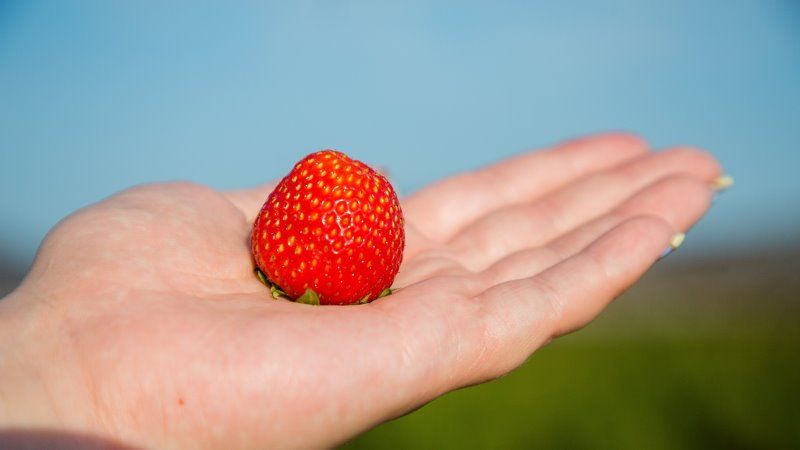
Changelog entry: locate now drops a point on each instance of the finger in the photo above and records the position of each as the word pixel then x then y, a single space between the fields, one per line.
pixel 519 227
pixel 678 200
pixel 522 315
pixel 249 201
pixel 443 208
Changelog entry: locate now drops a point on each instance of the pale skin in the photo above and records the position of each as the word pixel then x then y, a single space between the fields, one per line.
pixel 141 322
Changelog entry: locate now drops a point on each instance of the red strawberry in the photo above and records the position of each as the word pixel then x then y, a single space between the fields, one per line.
pixel 332 229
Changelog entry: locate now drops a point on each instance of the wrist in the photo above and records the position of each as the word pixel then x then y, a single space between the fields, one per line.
pixel 23 395
pixel 35 379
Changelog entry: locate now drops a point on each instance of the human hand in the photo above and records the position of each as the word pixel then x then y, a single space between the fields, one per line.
pixel 141 320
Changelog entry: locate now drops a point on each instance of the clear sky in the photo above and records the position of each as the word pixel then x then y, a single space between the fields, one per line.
pixel 97 96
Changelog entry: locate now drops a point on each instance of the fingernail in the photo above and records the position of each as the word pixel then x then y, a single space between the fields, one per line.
pixel 674 243
pixel 722 183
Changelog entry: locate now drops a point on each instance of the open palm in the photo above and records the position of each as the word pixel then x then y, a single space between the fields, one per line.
pixel 165 337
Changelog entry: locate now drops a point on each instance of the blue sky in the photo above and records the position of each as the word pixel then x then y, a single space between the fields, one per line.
pixel 97 96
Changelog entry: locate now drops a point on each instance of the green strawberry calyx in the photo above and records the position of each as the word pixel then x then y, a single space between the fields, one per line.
pixel 309 297
pixel 384 293
pixel 275 291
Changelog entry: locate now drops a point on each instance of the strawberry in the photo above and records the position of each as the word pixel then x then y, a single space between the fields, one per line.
pixel 331 232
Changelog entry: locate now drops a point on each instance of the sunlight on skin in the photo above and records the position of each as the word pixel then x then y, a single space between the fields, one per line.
pixel 141 319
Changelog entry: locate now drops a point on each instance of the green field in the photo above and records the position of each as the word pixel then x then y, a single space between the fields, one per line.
pixel 698 357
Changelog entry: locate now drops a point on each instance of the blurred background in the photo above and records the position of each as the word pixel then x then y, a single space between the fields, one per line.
pixel 703 353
